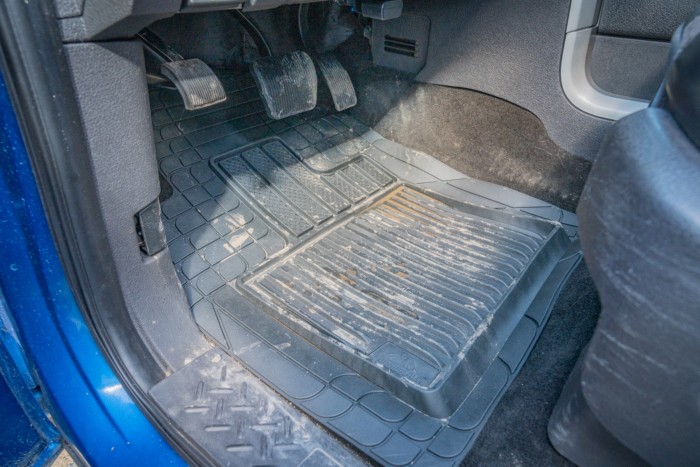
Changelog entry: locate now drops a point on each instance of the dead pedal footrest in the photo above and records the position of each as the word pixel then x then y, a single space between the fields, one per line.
pixel 287 84
pixel 338 81
pixel 196 82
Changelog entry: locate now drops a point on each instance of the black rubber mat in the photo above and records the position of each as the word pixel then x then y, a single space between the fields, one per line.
pixel 294 196
pixel 255 199
pixel 234 416
pixel 412 287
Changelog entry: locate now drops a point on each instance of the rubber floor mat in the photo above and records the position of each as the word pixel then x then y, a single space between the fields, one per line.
pixel 291 193
pixel 410 288
pixel 385 295
pixel 234 415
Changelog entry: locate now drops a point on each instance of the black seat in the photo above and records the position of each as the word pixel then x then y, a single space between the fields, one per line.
pixel 634 396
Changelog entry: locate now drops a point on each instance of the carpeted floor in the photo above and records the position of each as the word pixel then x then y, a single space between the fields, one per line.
pixel 480 135
pixel 483 137
pixel 516 433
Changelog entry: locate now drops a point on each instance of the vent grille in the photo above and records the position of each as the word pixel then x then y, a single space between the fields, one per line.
pixel 400 46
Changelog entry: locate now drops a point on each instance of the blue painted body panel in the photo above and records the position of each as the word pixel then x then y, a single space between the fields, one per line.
pixel 86 400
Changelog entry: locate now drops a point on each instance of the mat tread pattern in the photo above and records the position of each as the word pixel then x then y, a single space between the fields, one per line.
pixel 412 273
pixel 291 193
pixel 230 412
pixel 218 234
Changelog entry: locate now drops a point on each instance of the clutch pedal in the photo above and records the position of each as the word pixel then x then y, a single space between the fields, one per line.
pixel 196 82
pixel 287 84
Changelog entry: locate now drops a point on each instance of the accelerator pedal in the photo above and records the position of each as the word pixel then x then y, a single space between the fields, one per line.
pixel 287 84
pixel 338 81
pixel 196 82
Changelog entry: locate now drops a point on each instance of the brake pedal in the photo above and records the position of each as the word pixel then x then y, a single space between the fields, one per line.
pixel 196 82
pixel 287 84
pixel 338 81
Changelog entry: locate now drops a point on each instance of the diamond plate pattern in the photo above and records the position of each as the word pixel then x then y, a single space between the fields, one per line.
pixel 240 420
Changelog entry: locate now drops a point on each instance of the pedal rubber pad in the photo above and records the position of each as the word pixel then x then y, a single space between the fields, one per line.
pixel 338 81
pixel 287 84
pixel 197 84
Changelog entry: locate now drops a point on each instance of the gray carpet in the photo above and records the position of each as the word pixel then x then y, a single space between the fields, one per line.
pixel 481 136
pixel 477 134
pixel 516 433
pixel 512 50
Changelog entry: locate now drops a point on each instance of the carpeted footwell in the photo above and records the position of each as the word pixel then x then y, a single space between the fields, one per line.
pixel 486 138
pixel 271 218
